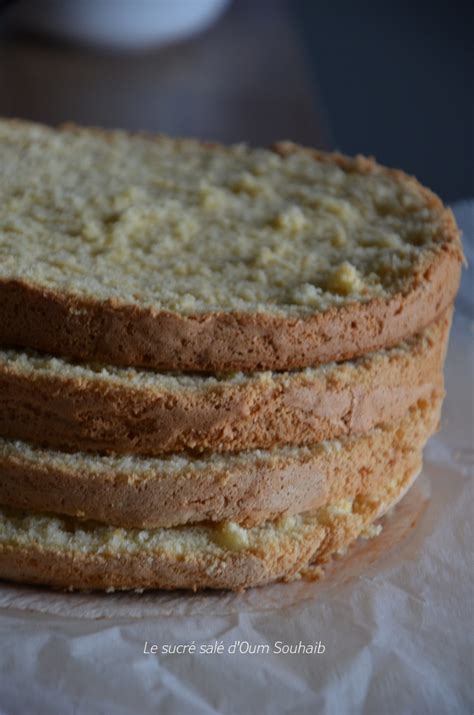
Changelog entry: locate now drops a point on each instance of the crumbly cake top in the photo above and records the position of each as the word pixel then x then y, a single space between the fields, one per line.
pixel 192 228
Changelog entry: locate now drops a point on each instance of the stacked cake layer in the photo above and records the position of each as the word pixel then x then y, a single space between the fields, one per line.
pixel 135 274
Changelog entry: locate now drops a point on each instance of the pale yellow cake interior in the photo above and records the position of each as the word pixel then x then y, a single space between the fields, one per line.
pixel 64 533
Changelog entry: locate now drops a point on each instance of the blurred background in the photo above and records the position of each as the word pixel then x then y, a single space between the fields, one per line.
pixel 393 79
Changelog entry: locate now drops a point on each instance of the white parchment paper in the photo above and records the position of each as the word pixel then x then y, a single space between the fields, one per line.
pixel 395 616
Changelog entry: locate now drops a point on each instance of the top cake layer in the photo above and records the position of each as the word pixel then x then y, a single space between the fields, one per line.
pixel 136 250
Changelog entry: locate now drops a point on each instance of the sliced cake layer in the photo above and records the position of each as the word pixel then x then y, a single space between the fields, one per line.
pixel 180 255
pixel 52 402
pixel 248 488
pixel 66 553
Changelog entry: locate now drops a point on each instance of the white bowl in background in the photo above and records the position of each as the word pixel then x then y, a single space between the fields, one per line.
pixel 117 24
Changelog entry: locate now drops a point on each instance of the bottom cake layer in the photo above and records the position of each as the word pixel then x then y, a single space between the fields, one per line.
pixel 65 553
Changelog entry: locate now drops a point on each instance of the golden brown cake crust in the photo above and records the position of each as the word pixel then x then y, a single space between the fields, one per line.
pixel 249 492
pixel 228 570
pixel 121 334
pixel 76 413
